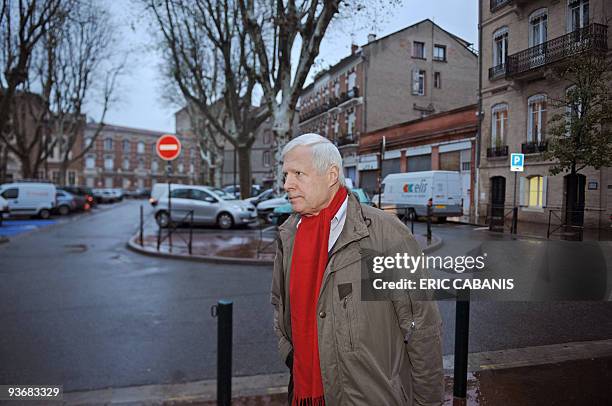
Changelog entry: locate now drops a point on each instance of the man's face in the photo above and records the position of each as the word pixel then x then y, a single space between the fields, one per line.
pixel 308 191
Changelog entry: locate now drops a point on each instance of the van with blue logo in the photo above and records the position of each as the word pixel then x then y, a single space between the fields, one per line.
pixel 408 193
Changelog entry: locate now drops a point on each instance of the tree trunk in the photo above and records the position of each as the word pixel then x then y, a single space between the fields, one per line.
pixel 63 170
pixel 26 167
pixel 244 171
pixel 282 137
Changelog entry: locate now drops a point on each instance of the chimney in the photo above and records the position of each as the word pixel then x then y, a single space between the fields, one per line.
pixel 371 38
pixel 354 48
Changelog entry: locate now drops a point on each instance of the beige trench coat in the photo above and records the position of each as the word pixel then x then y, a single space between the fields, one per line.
pixel 371 352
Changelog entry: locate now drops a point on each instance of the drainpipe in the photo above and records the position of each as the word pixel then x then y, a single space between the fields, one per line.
pixel 479 115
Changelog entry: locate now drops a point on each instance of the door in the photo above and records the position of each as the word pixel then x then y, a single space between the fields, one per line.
pixel 574 199
pixel 11 195
pixel 179 204
pixel 205 206
pixel 498 199
pixel 465 192
pixel 538 32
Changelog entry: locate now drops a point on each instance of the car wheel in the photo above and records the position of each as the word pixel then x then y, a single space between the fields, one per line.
pixel 44 214
pixel 225 221
pixel 63 210
pixel 162 219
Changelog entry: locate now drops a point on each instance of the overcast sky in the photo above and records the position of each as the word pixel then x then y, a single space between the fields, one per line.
pixel 141 103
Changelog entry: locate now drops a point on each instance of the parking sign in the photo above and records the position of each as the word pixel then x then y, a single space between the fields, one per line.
pixel 517 161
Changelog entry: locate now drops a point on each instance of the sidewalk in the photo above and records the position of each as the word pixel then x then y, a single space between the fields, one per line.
pixel 561 374
pixel 250 246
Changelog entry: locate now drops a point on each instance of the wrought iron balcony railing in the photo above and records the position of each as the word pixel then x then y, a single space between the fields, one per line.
pixel 497 152
pixel 591 38
pixel 497 71
pixel 496 4
pixel 347 140
pixel 534 147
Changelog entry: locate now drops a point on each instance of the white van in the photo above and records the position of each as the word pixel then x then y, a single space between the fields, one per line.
pixel 29 198
pixel 410 192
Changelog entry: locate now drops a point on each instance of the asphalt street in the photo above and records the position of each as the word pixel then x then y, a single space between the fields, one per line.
pixel 79 309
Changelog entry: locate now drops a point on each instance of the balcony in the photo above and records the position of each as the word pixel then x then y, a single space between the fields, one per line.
pixel 498 71
pixel 593 38
pixel 346 140
pixel 534 147
pixel 497 4
pixel 329 104
pixel 497 152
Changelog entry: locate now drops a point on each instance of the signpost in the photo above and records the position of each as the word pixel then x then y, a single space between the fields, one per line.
pixel 517 164
pixel 168 148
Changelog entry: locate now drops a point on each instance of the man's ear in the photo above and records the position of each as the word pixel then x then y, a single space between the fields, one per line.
pixel 333 175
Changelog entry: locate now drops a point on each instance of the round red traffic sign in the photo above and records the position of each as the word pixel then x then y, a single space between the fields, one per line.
pixel 168 147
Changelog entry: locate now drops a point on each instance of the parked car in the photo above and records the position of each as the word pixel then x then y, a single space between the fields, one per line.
pixel 83 191
pixel 158 190
pixel 29 198
pixel 266 208
pixel 234 190
pixel 118 192
pixel 66 202
pixel 138 193
pixel 262 197
pixel 281 213
pixel 104 196
pixel 4 208
pixel 208 208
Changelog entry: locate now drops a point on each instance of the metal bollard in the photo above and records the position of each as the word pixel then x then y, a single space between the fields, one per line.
pixel 141 226
pixel 429 210
pixel 223 310
pixel 514 220
pixel 462 331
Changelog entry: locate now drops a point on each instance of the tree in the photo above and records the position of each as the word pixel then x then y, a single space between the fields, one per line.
pixel 209 59
pixel 579 134
pixel 81 64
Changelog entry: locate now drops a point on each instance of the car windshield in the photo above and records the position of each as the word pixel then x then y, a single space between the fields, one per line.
pixel 220 194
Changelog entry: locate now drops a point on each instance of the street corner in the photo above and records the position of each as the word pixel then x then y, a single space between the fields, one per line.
pixel 431 245
pixel 239 247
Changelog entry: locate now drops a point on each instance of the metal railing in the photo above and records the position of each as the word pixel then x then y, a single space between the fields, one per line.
pixel 497 4
pixel 330 104
pixel 496 152
pixel 593 37
pixel 172 227
pixel 497 71
pixel 563 228
pixel 534 147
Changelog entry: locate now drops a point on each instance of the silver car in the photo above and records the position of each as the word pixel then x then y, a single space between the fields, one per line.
pixel 208 208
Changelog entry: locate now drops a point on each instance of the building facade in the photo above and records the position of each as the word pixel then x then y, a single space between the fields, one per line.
pixel 442 141
pixel 521 42
pixel 123 157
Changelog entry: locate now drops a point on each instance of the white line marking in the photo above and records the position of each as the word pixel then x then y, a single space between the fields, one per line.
pixel 168 147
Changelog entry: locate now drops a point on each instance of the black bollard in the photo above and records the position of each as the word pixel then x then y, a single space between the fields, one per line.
pixel 462 331
pixel 514 220
pixel 223 310
pixel 429 210
pixel 141 226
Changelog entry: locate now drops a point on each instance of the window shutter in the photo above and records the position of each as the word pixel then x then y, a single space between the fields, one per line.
pixel 415 82
pixel 522 191
pixel 544 189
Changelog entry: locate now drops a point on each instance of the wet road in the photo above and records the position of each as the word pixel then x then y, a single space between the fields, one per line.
pixel 78 309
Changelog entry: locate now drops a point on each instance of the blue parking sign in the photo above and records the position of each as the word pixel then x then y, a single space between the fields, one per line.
pixel 517 162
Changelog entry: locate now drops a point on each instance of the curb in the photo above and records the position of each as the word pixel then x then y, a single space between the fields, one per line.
pixel 132 245
pixel 259 389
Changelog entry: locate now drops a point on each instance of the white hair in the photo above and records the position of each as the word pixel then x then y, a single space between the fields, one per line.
pixel 324 153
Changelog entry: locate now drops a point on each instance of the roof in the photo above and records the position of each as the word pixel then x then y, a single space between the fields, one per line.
pixel 117 128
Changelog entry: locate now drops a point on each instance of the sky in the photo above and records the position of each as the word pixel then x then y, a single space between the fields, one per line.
pixel 140 103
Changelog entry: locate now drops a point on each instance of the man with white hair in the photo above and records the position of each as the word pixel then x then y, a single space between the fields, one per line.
pixel 343 350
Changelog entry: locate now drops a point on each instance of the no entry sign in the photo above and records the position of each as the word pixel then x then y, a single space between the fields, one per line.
pixel 168 147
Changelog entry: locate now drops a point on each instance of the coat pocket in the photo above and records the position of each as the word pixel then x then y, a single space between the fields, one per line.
pixel 347 323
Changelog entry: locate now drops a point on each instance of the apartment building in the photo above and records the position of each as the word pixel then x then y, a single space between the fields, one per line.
pixel 418 71
pixel 521 41
pixel 123 157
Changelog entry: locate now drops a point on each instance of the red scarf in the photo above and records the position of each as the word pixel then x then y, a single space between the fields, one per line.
pixel 307 268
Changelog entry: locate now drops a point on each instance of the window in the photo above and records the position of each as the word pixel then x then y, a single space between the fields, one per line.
pixel 126 164
pixel 141 163
pixel 71 178
pixel 180 194
pixel 336 88
pixel 418 49
pixel 578 14
pixel 154 166
pixel 536 118
pixel 181 168
pixel 88 141
pixel 465 166
pixel 499 124
pixel 266 158
pixel 538 27
pixel 12 193
pixel 336 126
pixel 533 191
pixel 437 80
pixel 108 182
pixel 90 162
pixel 439 53
pixel 573 109
pixel 108 164
pixel 350 123
pixel 500 46
pixel 126 145
pixel 191 168
pixel 351 80
pixel 140 148
pixel 418 82
pixel 197 194
pixel 108 144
